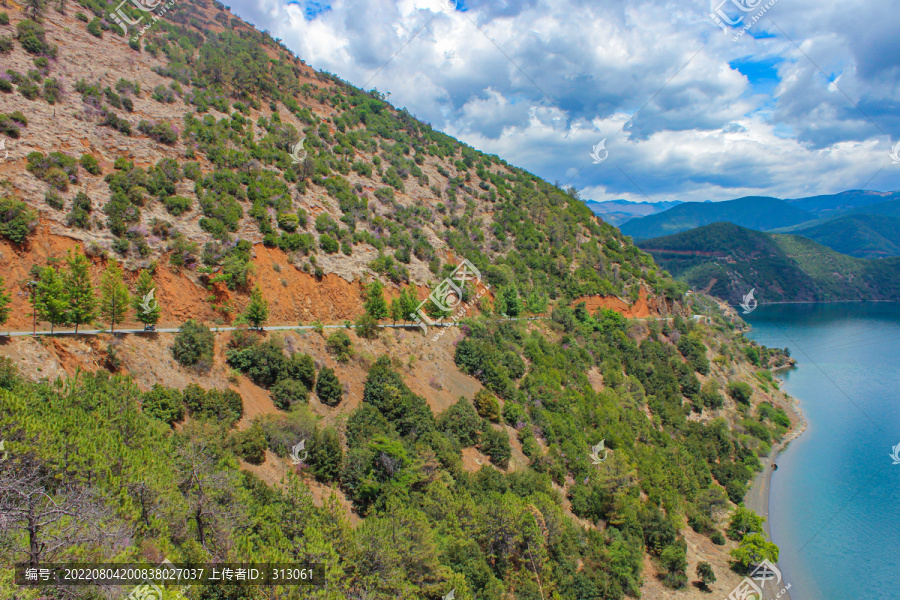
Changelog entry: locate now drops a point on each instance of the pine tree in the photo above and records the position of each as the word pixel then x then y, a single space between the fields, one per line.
pixel 145 302
pixel 375 304
pixel 50 298
pixel 5 299
pixel 82 302
pixel 36 7
pixel 257 312
pixel 114 296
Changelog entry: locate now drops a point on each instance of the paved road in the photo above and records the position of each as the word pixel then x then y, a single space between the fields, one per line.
pixel 65 332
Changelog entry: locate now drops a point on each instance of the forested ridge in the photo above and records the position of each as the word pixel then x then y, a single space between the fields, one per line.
pixel 115 471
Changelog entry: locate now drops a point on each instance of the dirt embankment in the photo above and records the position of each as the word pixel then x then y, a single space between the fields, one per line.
pixel 645 306
pixel 293 295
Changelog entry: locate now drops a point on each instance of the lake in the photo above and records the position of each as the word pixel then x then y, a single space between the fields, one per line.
pixel 835 498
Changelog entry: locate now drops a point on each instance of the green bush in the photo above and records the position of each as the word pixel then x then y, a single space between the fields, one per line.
pixel 94 28
pixel 53 199
pixel 4 18
pixel 29 90
pixel 17 221
pixel 194 345
pixel 161 132
pixel 90 164
pixel 329 244
pixel 31 36
pixel 328 387
pixel 288 392
pixel 5 86
pixel 487 405
pixel 163 403
pixel 496 445
pixel 177 205
pixel 56 168
pixel 224 406
pixel 340 345
pixel 326 454
pixel 6 46
pixel 250 444
pixel 740 391
pixel 462 422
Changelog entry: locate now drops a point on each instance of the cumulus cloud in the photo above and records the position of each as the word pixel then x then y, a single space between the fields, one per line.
pixel 805 102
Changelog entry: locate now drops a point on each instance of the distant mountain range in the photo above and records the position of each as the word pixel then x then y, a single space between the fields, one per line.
pixel 616 212
pixel 864 224
pixel 730 260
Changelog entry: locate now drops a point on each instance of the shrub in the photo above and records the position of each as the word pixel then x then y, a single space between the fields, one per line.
pixel 31 36
pixel 340 345
pixel 163 403
pixel 496 445
pixel 81 17
pixel 7 126
pixel 462 422
pixel 326 454
pixel 367 327
pixel 487 405
pixel 4 18
pixel 288 392
pixel 6 46
pixel 90 164
pixel 80 215
pixel 52 90
pixel 177 205
pixel 194 345
pixel 225 406
pixel 53 199
pixel 56 168
pixel 5 86
pixel 94 28
pixel 29 90
pixel 328 244
pixel 740 391
pixel 328 387
pixel 19 118
pixel 17 221
pixel 161 132
pixel 250 444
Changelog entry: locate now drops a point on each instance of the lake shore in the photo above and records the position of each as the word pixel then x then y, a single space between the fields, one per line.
pixel 757 498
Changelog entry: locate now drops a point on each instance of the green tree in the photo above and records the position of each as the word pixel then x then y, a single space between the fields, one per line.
pixel 487 405
pixel 367 327
pixel 743 521
pixel 50 298
pixel 163 403
pixel 375 304
pixel 326 455
pixel 509 303
pixel 194 345
pixel 145 301
pixel 257 312
pixel 328 387
pixel 706 574
pixel 340 345
pixel 740 391
pixel 404 305
pixel 80 290
pixel 754 548
pixel 36 7
pixel 114 297
pixel 5 300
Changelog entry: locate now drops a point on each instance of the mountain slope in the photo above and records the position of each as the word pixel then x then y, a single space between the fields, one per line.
pixel 782 268
pixel 753 212
pixel 849 201
pixel 432 462
pixel 862 235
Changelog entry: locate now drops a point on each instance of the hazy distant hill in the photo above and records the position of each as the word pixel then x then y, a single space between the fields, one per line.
pixel 849 201
pixel 754 212
pixel 616 212
pixel 782 268
pixel 863 235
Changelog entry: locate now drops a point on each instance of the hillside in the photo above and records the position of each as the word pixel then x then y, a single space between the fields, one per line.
pixel 162 181
pixel 863 235
pixel 849 201
pixel 781 267
pixel 753 212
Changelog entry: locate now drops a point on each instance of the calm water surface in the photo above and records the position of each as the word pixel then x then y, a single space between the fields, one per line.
pixel 835 499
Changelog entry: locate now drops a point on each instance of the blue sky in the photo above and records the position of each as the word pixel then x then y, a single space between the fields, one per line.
pixel 800 97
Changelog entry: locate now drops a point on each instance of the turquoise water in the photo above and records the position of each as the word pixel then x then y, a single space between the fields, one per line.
pixel 835 498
